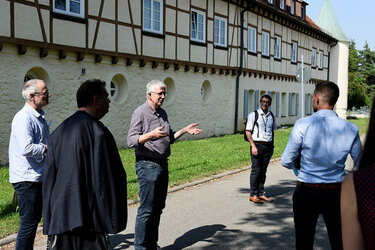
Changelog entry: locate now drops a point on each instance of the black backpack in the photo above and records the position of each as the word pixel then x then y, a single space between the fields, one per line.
pixel 256 124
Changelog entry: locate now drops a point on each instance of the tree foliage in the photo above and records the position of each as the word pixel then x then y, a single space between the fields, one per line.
pixel 361 76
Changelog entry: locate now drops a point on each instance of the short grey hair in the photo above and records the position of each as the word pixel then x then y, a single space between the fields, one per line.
pixel 151 85
pixel 30 87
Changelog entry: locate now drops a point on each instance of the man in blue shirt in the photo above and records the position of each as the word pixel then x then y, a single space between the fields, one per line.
pixel 27 149
pixel 324 141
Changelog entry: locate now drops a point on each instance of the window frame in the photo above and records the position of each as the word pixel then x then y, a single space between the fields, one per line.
pixel 313 58
pixel 69 13
pixel 152 20
pixel 282 4
pixel 292 8
pixel 321 59
pixel 221 19
pixel 196 39
pixel 270 1
pixel 277 42
pixel 303 12
pixel 265 49
pixel 294 49
pixel 250 31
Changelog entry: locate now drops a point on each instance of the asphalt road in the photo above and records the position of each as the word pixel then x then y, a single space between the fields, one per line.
pixel 218 215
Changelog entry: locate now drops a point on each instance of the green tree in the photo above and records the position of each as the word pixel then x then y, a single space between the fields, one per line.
pixel 361 76
pixel 367 64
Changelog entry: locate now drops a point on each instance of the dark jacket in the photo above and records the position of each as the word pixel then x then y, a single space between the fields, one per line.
pixel 84 182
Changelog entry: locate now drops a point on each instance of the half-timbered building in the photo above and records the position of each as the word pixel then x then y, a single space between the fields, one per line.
pixel 217 57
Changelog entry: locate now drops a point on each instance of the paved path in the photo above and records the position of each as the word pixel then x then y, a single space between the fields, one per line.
pixel 218 215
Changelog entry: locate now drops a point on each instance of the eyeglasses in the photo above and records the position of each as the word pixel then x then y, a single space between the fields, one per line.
pixel 268 102
pixel 160 93
pixel 43 94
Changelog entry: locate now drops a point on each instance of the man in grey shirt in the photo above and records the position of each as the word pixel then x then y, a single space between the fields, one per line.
pixel 151 135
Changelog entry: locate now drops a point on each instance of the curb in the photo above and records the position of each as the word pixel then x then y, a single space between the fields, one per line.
pixel 10 238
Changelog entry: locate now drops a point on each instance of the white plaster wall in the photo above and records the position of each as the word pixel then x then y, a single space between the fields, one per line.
pixel 215 115
pixel 5 19
pixel 338 74
pixel 75 36
pixel 26 24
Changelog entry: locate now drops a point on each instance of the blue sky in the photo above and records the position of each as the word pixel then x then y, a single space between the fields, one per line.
pixel 355 17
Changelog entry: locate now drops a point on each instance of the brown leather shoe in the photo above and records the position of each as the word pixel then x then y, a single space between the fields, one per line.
pixel 263 197
pixel 255 199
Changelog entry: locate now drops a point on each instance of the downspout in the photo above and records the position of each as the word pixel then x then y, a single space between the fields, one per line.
pixel 239 72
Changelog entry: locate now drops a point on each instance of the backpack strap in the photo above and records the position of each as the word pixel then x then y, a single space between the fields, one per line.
pixel 256 122
pixel 273 132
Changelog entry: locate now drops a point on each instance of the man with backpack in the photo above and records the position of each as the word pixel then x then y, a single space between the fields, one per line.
pixel 259 132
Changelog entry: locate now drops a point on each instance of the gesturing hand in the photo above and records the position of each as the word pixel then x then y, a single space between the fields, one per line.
pixel 191 129
pixel 159 133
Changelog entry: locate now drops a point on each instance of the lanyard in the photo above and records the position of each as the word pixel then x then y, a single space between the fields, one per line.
pixel 264 122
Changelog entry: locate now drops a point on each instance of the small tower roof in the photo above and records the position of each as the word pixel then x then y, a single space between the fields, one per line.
pixel 328 22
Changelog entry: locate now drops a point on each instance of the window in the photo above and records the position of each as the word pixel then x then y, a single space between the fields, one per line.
pixel 303 13
pixel 220 32
pixel 277 49
pixel 153 16
pixel 270 1
pixel 313 58
pixel 292 7
pixel 293 56
pixel 69 7
pixel 265 44
pixel 321 59
pixel 198 26
pixel 282 4
pixel 252 40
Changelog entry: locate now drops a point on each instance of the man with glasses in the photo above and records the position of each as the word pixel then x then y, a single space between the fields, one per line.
pixel 151 135
pixel 260 134
pixel 27 149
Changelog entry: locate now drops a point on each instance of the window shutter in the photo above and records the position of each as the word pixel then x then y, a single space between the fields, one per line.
pixel 307 106
pixel 245 103
pixel 256 99
pixel 290 104
pixel 297 103
pixel 277 103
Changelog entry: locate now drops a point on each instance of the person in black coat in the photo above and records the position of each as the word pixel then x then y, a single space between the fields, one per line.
pixel 84 182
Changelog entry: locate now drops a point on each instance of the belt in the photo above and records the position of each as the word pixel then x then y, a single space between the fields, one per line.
pixel 321 185
pixel 146 158
pixel 263 142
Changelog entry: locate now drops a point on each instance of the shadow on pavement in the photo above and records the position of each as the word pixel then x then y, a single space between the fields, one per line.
pixel 198 234
pixel 121 241
pixel 269 228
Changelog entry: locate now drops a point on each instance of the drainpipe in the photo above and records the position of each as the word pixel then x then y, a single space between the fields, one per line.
pixel 239 72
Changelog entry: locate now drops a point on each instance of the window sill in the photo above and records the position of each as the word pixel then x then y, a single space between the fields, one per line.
pixel 153 34
pixel 277 59
pixel 293 62
pixel 252 53
pixel 69 18
pixel 220 47
pixel 203 44
pixel 265 56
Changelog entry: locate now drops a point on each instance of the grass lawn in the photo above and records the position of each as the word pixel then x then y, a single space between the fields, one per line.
pixel 190 160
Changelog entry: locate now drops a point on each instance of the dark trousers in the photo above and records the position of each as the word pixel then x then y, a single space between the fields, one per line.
pixel 30 205
pixel 77 240
pixel 308 204
pixel 153 185
pixel 259 168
